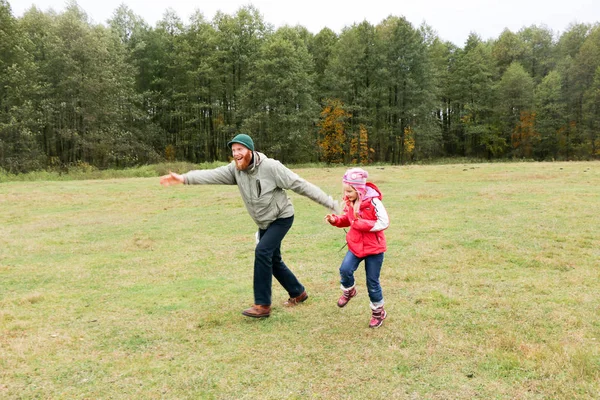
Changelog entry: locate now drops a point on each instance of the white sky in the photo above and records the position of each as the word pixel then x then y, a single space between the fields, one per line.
pixel 453 20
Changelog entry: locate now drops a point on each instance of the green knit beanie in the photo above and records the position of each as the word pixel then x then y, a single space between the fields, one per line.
pixel 242 139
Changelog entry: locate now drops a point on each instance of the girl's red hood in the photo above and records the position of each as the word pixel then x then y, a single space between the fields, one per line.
pixel 372 191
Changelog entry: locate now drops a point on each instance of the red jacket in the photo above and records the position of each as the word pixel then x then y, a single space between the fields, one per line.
pixel 365 236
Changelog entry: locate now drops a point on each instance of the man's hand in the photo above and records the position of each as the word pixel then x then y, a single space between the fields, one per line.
pixel 336 207
pixel 171 179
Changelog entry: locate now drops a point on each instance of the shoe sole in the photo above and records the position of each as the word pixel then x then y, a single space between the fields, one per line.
pixel 255 316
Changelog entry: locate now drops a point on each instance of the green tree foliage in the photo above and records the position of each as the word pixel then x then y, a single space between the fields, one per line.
pixel 277 101
pixel 202 124
pixel 571 40
pixel 19 149
pixel 321 48
pixel 591 116
pixel 237 43
pixel 508 48
pixel 443 56
pixel 552 119
pixel 75 93
pixel 352 73
pixel 475 127
pixel 538 57
pixel 410 91
pixel 8 46
pixel 515 102
pixel 584 94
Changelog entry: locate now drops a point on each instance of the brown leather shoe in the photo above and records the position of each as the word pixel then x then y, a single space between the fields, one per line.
pixel 257 311
pixel 293 301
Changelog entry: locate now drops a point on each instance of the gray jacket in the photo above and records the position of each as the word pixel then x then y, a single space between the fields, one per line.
pixel 262 187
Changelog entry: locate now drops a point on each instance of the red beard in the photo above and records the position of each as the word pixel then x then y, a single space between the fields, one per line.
pixel 242 164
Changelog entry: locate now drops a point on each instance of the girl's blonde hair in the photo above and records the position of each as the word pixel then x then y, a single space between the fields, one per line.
pixel 356 204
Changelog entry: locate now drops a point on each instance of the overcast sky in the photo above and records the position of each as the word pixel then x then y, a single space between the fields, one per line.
pixel 453 20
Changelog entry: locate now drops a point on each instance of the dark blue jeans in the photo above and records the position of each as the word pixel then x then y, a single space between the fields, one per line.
pixel 268 263
pixel 373 265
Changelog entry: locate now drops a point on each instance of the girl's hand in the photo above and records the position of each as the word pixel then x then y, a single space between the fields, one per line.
pixel 330 218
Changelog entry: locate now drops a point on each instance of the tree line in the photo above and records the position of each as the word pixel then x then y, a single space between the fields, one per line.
pixel 125 93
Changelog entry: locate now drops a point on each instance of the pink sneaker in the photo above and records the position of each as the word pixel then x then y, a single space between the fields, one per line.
pixel 346 296
pixel 377 317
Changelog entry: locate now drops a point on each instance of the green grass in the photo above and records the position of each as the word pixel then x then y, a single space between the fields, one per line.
pixel 84 171
pixel 124 289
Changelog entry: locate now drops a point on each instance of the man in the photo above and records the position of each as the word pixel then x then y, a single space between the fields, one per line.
pixel 262 182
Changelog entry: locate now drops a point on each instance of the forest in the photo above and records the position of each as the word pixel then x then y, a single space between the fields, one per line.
pixel 123 93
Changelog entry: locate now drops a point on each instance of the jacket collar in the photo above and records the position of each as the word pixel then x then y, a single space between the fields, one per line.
pixel 257 158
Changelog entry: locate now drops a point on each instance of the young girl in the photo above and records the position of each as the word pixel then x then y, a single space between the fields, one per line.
pixel 367 218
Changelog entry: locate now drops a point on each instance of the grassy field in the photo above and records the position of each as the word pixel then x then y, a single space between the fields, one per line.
pixel 123 289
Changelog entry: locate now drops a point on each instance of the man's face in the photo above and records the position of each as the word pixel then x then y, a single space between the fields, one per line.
pixel 242 156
